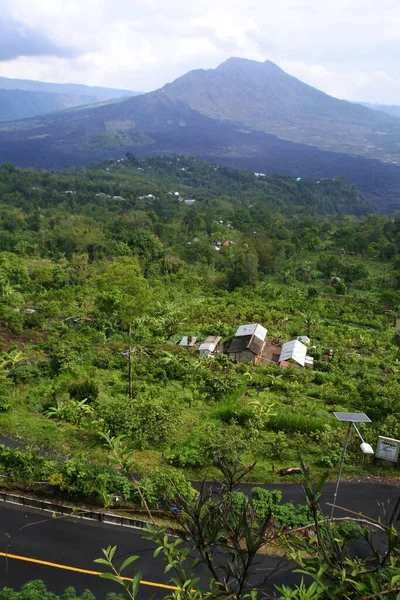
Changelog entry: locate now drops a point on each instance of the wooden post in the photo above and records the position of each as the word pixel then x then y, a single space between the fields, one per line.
pixel 130 367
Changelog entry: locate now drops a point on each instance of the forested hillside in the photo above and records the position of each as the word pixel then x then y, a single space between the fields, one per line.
pixel 127 257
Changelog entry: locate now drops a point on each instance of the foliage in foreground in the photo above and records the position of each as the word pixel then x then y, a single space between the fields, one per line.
pixel 227 540
pixel 37 590
pixel 223 538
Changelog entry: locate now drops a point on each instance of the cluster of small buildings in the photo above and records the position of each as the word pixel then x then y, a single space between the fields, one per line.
pixel 225 244
pixel 108 196
pixel 250 345
pixel 211 346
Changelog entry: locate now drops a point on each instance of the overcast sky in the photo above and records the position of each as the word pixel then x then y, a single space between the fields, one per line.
pixel 347 48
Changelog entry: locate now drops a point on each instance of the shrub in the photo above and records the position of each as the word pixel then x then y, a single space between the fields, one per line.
pixel 273 445
pixel 80 478
pixel 149 419
pixel 292 423
pixel 25 465
pixel 84 390
pixel 349 531
pixel 29 372
pixel 187 454
pixel 37 590
pixel 234 414
pixel 289 516
pixel 331 458
pixel 164 486
pixel 265 501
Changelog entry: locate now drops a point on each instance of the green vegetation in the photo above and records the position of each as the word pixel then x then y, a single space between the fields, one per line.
pixel 229 535
pixel 112 140
pixel 37 590
pixel 225 531
pixel 96 262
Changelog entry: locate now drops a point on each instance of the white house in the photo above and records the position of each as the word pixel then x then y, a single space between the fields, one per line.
pixel 295 351
pixel 210 346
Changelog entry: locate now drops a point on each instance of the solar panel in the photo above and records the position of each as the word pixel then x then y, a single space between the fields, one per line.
pixel 348 417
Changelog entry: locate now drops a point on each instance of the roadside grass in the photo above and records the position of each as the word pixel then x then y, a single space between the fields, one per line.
pixel 27 427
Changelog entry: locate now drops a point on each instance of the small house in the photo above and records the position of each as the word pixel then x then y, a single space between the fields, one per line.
pixel 295 352
pixel 248 343
pixel 188 341
pixel 211 346
pixel 304 339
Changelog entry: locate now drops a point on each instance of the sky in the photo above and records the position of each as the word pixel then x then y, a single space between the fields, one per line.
pixel 347 48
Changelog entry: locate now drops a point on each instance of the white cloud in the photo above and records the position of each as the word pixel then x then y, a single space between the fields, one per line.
pixel 348 48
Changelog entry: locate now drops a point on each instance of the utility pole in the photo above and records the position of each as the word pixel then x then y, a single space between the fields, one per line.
pixel 130 366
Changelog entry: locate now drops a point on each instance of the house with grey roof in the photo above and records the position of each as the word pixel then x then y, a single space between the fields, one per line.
pixel 188 341
pixel 248 343
pixel 211 346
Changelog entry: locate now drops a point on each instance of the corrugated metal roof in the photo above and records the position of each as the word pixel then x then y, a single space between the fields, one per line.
pixel 294 350
pixel 248 342
pixel 210 343
pixel 185 341
pixel 253 329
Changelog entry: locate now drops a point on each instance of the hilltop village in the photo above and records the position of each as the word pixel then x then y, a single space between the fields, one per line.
pixel 250 345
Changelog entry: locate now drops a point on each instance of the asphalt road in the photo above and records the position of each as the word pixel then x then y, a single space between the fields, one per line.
pixel 77 543
pixel 367 498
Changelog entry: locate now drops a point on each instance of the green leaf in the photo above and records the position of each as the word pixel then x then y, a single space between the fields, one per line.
pixel 110 576
pixel 394 580
pixel 136 583
pixel 127 562
pixel 111 552
pixel 102 561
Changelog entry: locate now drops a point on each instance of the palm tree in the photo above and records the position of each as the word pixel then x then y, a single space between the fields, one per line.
pixel 11 357
pixel 8 290
pixel 310 319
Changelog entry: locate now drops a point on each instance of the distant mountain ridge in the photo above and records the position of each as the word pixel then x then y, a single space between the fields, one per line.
pixel 98 92
pixel 242 113
pixel 391 109
pixel 21 104
pixel 23 98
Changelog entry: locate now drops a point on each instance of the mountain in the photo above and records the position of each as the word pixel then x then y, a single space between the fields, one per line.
pixel 99 93
pixel 22 98
pixel 19 104
pixel 262 96
pixel 209 114
pixel 391 109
